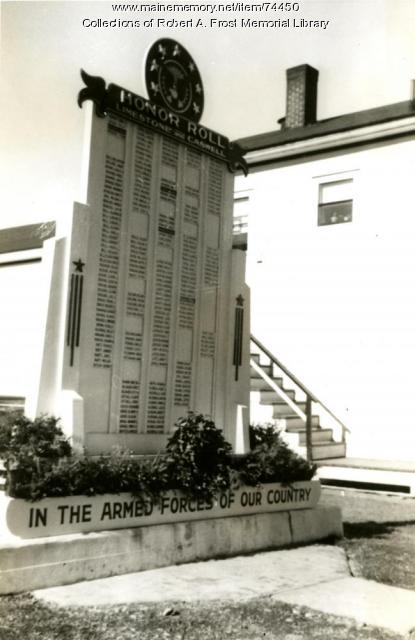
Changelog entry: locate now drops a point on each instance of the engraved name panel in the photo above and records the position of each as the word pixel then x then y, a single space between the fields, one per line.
pixel 215 187
pixel 211 272
pixel 143 170
pixel 156 407
pixel 182 384
pixel 162 313
pixel 137 266
pixel 130 390
pixel 133 345
pixel 207 344
pixel 108 264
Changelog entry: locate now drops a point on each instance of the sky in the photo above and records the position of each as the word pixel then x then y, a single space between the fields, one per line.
pixel 365 56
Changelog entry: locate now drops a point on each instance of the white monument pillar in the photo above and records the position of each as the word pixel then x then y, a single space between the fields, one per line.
pixel 154 323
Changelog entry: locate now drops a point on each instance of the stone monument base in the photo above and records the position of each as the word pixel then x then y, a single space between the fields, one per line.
pixel 45 562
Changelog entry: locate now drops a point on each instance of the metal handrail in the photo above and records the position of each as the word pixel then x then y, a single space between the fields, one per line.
pixel 283 368
pixel 310 397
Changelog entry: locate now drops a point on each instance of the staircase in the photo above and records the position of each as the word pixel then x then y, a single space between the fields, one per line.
pixel 292 409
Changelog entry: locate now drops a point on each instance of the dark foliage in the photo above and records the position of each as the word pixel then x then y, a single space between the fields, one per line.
pixel 271 460
pixel 198 458
pixel 30 449
pixel 198 462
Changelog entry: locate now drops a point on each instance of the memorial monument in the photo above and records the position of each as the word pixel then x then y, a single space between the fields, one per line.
pixel 147 318
pixel 152 318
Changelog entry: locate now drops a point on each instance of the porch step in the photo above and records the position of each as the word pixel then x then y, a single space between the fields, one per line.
pixel 326 450
pixel 259 384
pixel 270 396
pixel 257 358
pixel 266 368
pixel 295 424
pixel 282 410
pixel 318 436
pixel 298 441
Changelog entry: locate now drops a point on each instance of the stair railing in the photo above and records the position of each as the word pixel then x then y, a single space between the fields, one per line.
pixel 310 397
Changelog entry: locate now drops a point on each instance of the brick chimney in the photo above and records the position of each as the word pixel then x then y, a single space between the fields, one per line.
pixel 301 96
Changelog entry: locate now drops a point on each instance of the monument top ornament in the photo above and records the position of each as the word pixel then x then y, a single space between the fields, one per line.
pixel 173 79
pixel 175 106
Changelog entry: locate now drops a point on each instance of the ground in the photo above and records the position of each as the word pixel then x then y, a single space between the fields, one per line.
pixel 379 535
pixel 379 541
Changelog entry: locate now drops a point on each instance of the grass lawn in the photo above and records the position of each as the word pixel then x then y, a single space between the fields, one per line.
pixel 379 535
pixel 379 541
pixel 22 617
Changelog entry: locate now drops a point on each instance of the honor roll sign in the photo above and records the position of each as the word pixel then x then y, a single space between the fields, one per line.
pixel 152 292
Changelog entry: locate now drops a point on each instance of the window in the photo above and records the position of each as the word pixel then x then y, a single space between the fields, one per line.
pixel 335 204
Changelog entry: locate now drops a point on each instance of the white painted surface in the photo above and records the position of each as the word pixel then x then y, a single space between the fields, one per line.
pixel 23 289
pixel 336 303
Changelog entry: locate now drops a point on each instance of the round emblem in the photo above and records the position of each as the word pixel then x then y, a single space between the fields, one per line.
pixel 173 80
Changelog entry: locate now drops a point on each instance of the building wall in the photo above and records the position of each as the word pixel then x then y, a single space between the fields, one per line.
pixel 336 303
pixel 24 286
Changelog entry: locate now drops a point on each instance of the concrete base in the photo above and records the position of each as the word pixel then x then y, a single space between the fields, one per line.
pixel 45 562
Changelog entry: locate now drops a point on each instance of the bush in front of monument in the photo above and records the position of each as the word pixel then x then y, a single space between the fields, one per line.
pixel 271 460
pixel 82 475
pixel 29 450
pixel 197 462
pixel 199 458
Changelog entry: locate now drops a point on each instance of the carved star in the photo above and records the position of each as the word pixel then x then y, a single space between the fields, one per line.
pixel 191 66
pixel 240 300
pixel 155 87
pixel 176 50
pixel 79 265
pixel 196 108
pixel 154 65
pixel 162 50
pixel 198 88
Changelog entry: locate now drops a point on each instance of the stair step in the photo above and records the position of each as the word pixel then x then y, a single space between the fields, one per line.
pixel 266 368
pixel 284 411
pixel 257 358
pixel 317 436
pixel 322 451
pixel 259 384
pixel 271 397
pixel 294 423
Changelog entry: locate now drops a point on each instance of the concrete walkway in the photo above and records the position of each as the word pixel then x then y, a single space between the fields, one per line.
pixel 316 576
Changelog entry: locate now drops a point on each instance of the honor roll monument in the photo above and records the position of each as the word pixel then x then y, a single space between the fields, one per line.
pixel 148 318
pixel 156 319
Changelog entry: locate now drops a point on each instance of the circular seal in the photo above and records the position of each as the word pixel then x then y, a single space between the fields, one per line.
pixel 173 79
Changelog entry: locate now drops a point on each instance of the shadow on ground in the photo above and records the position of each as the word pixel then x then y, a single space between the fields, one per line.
pixel 373 529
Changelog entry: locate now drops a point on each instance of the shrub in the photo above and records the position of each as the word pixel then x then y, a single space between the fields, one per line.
pixel 271 460
pixel 198 458
pixel 30 449
pixel 198 461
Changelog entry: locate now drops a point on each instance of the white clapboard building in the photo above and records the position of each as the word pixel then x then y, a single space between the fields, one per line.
pixel 328 207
